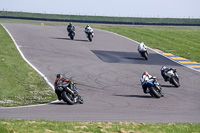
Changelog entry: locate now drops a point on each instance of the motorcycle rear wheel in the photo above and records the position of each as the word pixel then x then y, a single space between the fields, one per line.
pixel 155 92
pixel 68 98
pixel 145 56
pixel 175 81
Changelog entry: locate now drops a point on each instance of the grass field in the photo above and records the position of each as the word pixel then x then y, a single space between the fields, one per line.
pixel 102 18
pixel 39 126
pixel 19 83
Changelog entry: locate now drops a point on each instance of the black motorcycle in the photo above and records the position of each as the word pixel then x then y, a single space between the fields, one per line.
pixel 71 33
pixel 171 76
pixel 69 92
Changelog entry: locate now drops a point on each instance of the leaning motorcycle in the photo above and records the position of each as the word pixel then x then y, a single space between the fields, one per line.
pixel 69 93
pixel 89 34
pixel 172 77
pixel 153 86
pixel 71 33
pixel 144 54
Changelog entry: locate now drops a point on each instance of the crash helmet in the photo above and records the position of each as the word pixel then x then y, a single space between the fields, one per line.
pixel 163 68
pixel 142 43
pixel 87 26
pixel 59 76
pixel 145 73
pixel 70 23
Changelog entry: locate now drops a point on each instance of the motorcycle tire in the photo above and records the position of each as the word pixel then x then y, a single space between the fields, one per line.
pixel 71 37
pixel 81 100
pixel 151 94
pixel 155 92
pixel 175 81
pixel 145 56
pixel 90 37
pixel 68 98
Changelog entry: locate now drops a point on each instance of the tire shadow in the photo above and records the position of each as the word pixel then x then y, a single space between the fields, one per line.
pixel 137 96
pixel 59 103
pixel 69 39
pixel 167 86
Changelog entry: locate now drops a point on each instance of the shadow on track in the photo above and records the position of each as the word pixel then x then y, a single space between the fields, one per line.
pixel 81 40
pixel 171 86
pixel 69 39
pixel 59 103
pixel 137 96
pixel 132 58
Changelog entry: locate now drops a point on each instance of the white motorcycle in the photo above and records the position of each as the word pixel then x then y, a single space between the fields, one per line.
pixel 143 51
pixel 171 75
pixel 89 34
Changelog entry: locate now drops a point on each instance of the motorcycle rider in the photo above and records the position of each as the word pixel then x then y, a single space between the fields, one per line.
pixel 164 71
pixel 70 27
pixel 142 47
pixel 59 77
pixel 145 78
pixel 89 29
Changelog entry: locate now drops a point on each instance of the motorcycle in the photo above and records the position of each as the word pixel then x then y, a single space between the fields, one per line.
pixel 171 76
pixel 89 34
pixel 69 92
pixel 71 33
pixel 142 49
pixel 153 87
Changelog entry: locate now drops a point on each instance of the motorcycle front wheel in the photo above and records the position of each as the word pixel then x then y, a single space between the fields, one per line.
pixel 71 37
pixel 81 100
pixel 90 37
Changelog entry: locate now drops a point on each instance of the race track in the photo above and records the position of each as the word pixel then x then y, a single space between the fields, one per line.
pixel 108 72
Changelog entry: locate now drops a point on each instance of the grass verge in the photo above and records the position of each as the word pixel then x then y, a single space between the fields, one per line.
pixel 181 41
pixel 40 126
pixel 19 83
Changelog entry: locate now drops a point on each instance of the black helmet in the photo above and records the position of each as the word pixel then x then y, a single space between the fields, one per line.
pixel 59 76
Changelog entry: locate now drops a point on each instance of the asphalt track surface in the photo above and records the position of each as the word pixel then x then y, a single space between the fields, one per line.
pixel 107 72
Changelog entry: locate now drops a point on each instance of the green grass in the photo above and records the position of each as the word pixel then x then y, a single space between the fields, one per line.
pixel 102 18
pixel 40 126
pixel 181 41
pixel 19 83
